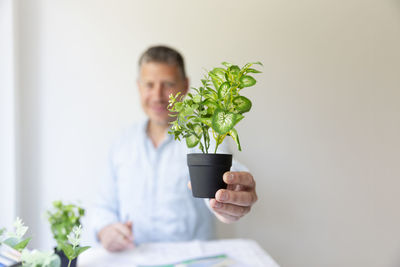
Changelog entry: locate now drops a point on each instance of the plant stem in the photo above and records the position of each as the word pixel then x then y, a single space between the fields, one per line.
pixel 69 263
pixel 205 141
pixel 217 144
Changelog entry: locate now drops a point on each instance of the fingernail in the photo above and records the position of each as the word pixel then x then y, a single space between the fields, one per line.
pixel 223 196
pixel 228 177
pixel 217 205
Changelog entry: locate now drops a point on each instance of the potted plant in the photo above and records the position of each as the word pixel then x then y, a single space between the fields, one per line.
pixel 213 109
pixel 64 220
pixel 72 248
pixel 16 251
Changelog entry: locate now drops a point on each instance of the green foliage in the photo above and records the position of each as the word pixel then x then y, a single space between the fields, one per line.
pixel 63 218
pixel 39 259
pixel 15 239
pixel 216 105
pixel 33 258
pixel 72 248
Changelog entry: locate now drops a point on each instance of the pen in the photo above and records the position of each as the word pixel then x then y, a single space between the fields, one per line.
pixel 129 224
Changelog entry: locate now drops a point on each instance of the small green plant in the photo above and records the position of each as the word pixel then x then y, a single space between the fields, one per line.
pixel 72 248
pixel 15 239
pixel 216 105
pixel 29 258
pixel 63 218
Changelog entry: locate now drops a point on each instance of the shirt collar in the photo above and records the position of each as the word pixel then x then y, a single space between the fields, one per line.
pixel 143 130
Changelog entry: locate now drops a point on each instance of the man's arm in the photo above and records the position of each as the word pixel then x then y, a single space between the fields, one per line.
pixel 112 234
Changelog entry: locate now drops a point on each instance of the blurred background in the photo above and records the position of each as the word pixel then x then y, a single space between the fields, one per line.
pixel 322 139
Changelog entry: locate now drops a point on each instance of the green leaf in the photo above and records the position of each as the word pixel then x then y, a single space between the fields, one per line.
pixel 197 99
pixel 242 104
pixel 79 250
pixel 21 245
pixel 250 70
pixel 12 241
pixel 206 121
pixel 235 137
pixel 186 111
pixel 223 89
pixel 192 141
pixel 239 117
pixel 226 64
pixel 195 89
pixel 217 76
pixel 234 69
pixel 248 65
pixel 211 94
pixel 178 106
pixel 68 251
pixel 81 211
pixel 210 103
pixel 218 73
pixel 223 121
pixel 57 204
pixel 247 81
pixel 246 69
pixel 198 130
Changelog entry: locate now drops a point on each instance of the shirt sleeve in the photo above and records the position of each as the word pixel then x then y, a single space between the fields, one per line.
pixel 105 210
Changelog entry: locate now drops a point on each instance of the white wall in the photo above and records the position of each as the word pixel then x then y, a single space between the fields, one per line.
pixel 322 139
pixel 7 116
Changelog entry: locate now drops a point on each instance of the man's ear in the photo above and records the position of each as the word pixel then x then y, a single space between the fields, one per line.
pixel 138 86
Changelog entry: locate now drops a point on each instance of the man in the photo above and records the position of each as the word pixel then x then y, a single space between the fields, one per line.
pixel 145 197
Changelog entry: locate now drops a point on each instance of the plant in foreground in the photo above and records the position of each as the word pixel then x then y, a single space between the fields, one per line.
pixel 214 109
pixel 216 105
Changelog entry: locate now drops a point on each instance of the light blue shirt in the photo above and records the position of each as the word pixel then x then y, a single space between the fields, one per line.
pixel 148 186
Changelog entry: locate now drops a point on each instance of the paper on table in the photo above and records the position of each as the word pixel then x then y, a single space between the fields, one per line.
pixel 243 252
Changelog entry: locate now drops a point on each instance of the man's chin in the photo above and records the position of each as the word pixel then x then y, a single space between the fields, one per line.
pixel 160 121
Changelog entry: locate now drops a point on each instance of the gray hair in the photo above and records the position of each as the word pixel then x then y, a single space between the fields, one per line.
pixel 163 54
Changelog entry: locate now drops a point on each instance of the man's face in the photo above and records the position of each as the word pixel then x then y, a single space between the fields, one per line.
pixel 156 82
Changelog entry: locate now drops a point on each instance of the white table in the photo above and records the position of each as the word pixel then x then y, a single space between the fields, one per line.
pixel 241 252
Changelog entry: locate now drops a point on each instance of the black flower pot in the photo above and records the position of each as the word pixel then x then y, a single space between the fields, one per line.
pixel 64 259
pixel 206 171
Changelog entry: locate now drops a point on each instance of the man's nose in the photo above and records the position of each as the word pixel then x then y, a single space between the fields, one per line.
pixel 158 92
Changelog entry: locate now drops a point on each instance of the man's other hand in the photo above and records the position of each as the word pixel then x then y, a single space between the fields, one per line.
pixel 117 236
